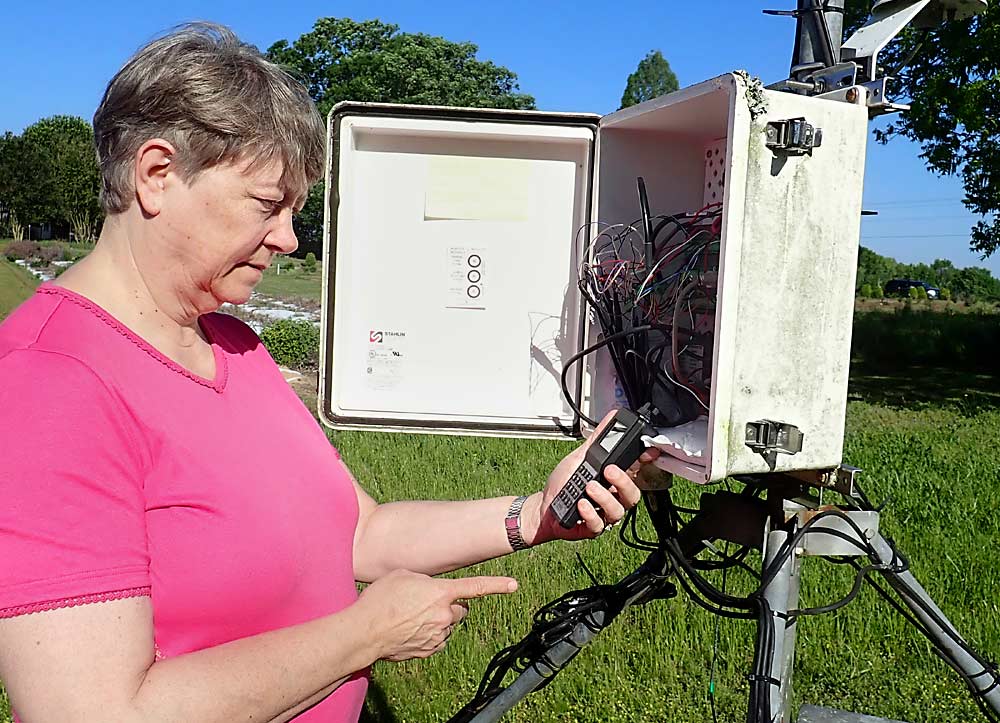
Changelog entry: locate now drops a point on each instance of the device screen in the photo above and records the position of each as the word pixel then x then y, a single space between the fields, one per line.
pixel 609 440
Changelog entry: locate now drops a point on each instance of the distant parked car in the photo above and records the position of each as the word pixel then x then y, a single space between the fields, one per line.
pixel 901 287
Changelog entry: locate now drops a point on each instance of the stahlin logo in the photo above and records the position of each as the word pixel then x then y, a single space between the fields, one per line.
pixel 378 337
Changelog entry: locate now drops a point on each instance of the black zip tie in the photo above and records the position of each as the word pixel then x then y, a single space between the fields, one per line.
pixel 757 678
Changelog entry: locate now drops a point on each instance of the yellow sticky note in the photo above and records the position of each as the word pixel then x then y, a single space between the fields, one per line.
pixel 472 188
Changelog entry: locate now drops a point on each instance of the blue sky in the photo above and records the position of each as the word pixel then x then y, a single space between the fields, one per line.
pixel 57 56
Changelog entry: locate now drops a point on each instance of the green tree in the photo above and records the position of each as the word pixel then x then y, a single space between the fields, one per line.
pixel 342 59
pixel 944 270
pixel 9 187
pixel 875 269
pixel 21 199
pixel 651 79
pixel 953 85
pixel 49 174
pixel 975 283
pixel 69 179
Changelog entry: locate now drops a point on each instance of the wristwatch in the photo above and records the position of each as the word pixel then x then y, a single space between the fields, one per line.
pixel 513 524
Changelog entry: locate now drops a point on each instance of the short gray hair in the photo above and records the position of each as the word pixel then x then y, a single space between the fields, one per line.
pixel 217 100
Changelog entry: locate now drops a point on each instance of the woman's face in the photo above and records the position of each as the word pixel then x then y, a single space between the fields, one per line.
pixel 223 229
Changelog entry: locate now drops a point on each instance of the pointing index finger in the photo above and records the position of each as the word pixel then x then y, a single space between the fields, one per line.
pixel 467 588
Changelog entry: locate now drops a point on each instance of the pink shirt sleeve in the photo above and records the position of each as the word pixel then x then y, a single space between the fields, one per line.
pixel 72 527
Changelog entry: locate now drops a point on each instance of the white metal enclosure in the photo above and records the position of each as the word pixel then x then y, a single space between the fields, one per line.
pixel 453 239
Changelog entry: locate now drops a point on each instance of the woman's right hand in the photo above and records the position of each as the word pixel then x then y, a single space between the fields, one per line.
pixel 412 614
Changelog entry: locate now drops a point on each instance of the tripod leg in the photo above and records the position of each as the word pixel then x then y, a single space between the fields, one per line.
pixel 913 595
pixel 538 673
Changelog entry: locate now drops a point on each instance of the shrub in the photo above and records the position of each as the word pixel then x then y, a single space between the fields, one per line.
pixel 866 291
pixel 293 343
pixel 21 250
pixel 921 293
pixel 914 294
pixel 309 263
pixel 956 341
pixel 877 292
pixel 945 294
pixel 50 253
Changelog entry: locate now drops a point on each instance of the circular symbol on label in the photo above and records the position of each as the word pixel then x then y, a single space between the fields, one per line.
pixel 474 276
pixel 474 261
pixel 473 292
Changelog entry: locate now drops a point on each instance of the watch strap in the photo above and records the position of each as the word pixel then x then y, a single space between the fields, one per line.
pixel 512 524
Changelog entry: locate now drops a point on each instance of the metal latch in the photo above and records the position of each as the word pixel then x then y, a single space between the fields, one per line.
pixel 765 436
pixel 794 136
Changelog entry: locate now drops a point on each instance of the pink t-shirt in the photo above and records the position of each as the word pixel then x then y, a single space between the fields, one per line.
pixel 123 474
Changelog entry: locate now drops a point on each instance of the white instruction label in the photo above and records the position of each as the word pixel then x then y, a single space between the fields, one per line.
pixel 466 277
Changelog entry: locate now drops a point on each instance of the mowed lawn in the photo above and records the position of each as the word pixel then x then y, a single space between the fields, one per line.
pixel 16 285
pixel 926 439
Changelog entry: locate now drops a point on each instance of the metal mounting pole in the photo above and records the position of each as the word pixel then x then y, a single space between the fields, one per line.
pixel 791 629
pixel 776 595
pixel 819 32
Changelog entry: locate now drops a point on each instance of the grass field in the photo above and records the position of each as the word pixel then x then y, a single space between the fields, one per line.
pixel 292 283
pixel 935 463
pixel 926 437
pixel 16 285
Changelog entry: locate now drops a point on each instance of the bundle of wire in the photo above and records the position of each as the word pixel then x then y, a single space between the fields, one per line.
pixel 651 287
pixel 678 554
pixel 688 571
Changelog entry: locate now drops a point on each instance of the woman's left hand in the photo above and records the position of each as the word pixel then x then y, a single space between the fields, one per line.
pixel 538 522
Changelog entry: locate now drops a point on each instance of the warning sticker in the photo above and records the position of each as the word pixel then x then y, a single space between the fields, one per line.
pixel 466 270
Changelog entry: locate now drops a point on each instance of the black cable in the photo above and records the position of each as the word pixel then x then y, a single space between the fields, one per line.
pixel 647 224
pixel 896 583
pixel 606 341
pixel 907 615
pixel 715 655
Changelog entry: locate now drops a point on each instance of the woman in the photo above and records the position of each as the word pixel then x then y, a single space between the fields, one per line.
pixel 179 540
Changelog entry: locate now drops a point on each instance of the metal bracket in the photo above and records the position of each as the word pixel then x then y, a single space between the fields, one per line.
pixel 840 478
pixel 794 136
pixel 885 23
pixel 768 437
pixel 841 531
pixel 841 75
pixel 823 80
pixel 875 97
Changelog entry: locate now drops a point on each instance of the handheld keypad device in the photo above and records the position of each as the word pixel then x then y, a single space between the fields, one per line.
pixel 619 443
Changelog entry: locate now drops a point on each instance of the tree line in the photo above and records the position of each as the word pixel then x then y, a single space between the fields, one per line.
pixel 969 284
pixel 48 174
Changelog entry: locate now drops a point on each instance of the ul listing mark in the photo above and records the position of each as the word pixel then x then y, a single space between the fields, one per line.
pixel 466 269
